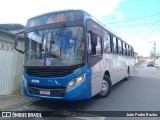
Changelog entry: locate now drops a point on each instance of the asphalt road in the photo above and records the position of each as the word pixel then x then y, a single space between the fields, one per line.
pixel 140 93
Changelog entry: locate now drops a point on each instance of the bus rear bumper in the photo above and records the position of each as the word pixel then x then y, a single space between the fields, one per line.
pixel 79 92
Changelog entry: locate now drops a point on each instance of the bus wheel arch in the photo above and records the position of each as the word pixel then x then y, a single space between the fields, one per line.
pixel 106 86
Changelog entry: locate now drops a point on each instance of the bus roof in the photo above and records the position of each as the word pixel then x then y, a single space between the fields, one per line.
pixel 86 16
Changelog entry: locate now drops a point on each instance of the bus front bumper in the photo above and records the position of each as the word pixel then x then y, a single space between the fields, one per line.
pixel 81 91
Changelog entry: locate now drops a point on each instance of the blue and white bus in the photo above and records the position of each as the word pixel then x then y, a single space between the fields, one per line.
pixel 69 55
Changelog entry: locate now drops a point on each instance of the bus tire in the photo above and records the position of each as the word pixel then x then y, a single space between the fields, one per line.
pixel 106 87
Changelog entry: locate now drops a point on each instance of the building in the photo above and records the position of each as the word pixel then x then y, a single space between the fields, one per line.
pixel 10 60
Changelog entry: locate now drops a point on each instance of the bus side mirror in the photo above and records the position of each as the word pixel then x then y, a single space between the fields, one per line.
pixel 16 43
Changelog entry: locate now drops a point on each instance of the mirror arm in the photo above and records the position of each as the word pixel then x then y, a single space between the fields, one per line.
pixel 19 33
pixel 22 52
pixel 15 43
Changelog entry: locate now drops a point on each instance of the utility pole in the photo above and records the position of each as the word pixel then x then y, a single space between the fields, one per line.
pixel 154 49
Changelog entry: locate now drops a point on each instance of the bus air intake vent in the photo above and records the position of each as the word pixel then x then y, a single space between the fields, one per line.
pixel 48 72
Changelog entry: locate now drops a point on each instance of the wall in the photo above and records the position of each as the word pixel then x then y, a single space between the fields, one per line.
pixel 11 63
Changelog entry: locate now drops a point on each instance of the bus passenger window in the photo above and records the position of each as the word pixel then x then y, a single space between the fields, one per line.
pixel 114 46
pixel 89 43
pixel 107 42
pixel 119 46
pixel 124 48
pixel 99 46
pixel 132 52
pixel 126 53
pixel 129 51
pixel 94 44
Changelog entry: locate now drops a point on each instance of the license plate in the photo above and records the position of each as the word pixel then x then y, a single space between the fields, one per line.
pixel 45 92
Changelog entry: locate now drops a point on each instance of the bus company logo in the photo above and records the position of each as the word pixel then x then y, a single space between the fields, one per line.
pixel 56 82
pixel 53 81
pixel 35 81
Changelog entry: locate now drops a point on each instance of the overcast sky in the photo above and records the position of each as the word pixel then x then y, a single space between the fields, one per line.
pixel 137 21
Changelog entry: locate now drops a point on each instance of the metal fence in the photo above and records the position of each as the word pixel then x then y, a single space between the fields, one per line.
pixel 10 71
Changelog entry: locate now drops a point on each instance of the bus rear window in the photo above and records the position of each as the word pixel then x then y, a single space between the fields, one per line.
pixel 54 17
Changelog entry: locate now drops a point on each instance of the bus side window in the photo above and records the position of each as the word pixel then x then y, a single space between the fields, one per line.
pixel 132 52
pixel 94 44
pixel 89 42
pixel 119 46
pixel 124 49
pixel 129 50
pixel 126 53
pixel 107 43
pixel 99 45
pixel 114 45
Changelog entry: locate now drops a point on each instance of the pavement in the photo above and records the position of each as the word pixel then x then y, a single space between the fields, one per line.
pixel 9 101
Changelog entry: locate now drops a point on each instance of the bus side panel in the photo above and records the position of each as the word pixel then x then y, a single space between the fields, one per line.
pixel 121 67
pixel 97 77
pixel 131 64
pixel 111 62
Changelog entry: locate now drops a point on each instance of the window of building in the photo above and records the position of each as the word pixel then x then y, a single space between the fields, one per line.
pixel 12 46
pixel 3 45
pixel 8 46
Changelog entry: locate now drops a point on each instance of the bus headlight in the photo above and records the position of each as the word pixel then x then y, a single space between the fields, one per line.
pixel 75 81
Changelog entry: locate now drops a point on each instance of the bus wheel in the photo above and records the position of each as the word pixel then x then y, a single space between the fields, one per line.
pixel 106 87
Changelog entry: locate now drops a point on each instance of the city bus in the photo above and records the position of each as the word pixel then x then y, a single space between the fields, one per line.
pixel 70 55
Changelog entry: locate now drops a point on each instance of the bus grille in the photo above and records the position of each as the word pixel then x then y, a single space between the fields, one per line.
pixel 55 91
pixel 50 71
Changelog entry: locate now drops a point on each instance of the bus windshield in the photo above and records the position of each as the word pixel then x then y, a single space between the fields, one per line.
pixel 62 46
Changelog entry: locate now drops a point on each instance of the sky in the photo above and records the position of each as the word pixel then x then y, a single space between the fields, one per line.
pixel 136 21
